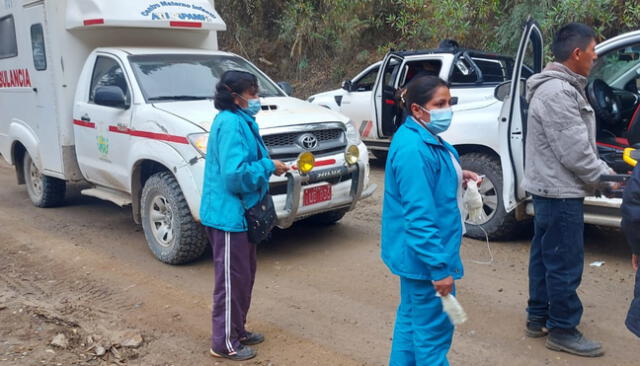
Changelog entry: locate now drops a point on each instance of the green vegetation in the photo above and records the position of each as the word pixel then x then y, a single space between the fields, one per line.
pixel 316 43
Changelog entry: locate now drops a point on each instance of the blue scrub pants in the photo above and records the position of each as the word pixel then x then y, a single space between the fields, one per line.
pixel 423 332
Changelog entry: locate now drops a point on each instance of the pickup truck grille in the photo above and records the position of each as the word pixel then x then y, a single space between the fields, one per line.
pixel 322 142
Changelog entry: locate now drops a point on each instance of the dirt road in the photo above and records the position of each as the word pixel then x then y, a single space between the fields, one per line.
pixel 322 296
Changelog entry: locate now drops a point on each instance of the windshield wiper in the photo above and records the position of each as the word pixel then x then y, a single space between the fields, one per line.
pixel 178 97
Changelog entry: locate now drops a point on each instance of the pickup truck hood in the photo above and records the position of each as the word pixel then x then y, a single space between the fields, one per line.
pixel 277 112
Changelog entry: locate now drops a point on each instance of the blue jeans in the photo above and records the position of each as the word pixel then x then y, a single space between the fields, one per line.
pixel 423 332
pixel 556 262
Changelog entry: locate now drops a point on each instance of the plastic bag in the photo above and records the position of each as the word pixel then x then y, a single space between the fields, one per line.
pixel 454 310
pixel 472 201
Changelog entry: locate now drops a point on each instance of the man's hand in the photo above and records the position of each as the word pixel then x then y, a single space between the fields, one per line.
pixel 281 167
pixel 634 262
pixel 444 287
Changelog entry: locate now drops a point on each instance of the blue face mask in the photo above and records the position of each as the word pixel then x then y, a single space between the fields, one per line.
pixel 254 106
pixel 440 120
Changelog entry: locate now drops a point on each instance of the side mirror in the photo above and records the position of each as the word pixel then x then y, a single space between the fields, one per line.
pixel 110 96
pixel 347 85
pixel 502 91
pixel 288 89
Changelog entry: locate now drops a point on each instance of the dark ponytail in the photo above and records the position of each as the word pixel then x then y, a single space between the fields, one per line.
pixel 231 84
pixel 419 91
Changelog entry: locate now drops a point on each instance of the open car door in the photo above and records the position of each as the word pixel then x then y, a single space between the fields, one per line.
pixel 384 95
pixel 513 116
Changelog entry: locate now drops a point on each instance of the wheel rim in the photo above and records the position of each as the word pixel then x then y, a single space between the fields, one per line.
pixel 35 179
pixel 489 202
pixel 161 218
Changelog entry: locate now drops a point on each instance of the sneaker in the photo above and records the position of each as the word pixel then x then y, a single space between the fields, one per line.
pixel 242 354
pixel 252 339
pixel 572 341
pixel 536 327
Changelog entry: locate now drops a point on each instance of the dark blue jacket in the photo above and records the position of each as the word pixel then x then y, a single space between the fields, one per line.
pixel 631 228
pixel 631 211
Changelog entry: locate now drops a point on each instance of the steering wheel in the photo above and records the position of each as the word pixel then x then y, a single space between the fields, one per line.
pixel 606 104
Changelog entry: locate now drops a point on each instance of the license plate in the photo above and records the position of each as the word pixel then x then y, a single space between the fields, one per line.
pixel 318 194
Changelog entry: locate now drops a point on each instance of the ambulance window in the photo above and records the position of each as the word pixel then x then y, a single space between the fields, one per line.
pixel 107 72
pixel 37 45
pixel 8 42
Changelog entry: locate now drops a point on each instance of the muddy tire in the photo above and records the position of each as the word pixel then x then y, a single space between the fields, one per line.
pixel 327 218
pixel 43 191
pixel 498 224
pixel 171 232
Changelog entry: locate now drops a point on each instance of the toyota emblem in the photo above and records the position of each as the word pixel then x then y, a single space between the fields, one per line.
pixel 308 141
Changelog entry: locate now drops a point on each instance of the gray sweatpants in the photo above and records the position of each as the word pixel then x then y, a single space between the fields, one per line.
pixel 234 260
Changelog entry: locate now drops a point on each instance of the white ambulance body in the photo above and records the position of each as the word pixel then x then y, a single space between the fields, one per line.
pixel 118 94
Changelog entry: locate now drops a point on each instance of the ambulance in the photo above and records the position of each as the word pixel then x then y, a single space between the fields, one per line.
pixel 117 94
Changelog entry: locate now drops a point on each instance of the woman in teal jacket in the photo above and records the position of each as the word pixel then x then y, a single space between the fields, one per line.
pixel 236 177
pixel 422 224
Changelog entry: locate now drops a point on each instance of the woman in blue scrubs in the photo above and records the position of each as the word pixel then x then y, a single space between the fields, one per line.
pixel 422 225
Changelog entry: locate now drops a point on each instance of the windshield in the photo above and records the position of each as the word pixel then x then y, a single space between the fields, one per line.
pixel 617 65
pixel 190 77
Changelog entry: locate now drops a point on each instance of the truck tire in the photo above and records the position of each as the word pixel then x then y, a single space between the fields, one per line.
pixel 171 232
pixel 43 191
pixel 327 218
pixel 499 224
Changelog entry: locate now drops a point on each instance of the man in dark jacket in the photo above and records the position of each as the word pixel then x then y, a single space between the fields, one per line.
pixel 631 228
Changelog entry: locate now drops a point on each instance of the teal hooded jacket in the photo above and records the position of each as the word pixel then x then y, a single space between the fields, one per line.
pixel 421 222
pixel 234 178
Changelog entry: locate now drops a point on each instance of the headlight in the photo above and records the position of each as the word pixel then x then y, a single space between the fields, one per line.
pixel 352 155
pixel 306 162
pixel 199 142
pixel 353 137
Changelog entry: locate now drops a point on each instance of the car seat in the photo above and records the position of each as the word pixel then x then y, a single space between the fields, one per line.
pixel 631 137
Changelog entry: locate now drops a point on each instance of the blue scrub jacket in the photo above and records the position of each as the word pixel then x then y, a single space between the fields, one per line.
pixel 234 178
pixel 421 223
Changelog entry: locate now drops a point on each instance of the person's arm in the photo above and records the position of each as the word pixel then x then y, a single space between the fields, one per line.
pixel 240 175
pixel 569 139
pixel 420 213
pixel 631 211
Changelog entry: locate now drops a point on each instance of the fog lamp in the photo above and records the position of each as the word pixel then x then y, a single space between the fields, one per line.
pixel 352 155
pixel 306 162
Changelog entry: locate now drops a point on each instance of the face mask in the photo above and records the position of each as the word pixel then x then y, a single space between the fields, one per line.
pixel 254 106
pixel 440 120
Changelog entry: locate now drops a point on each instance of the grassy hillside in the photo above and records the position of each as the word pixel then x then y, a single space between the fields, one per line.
pixel 315 44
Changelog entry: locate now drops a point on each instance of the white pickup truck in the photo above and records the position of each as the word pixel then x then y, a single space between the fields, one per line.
pixel 119 96
pixel 489 122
